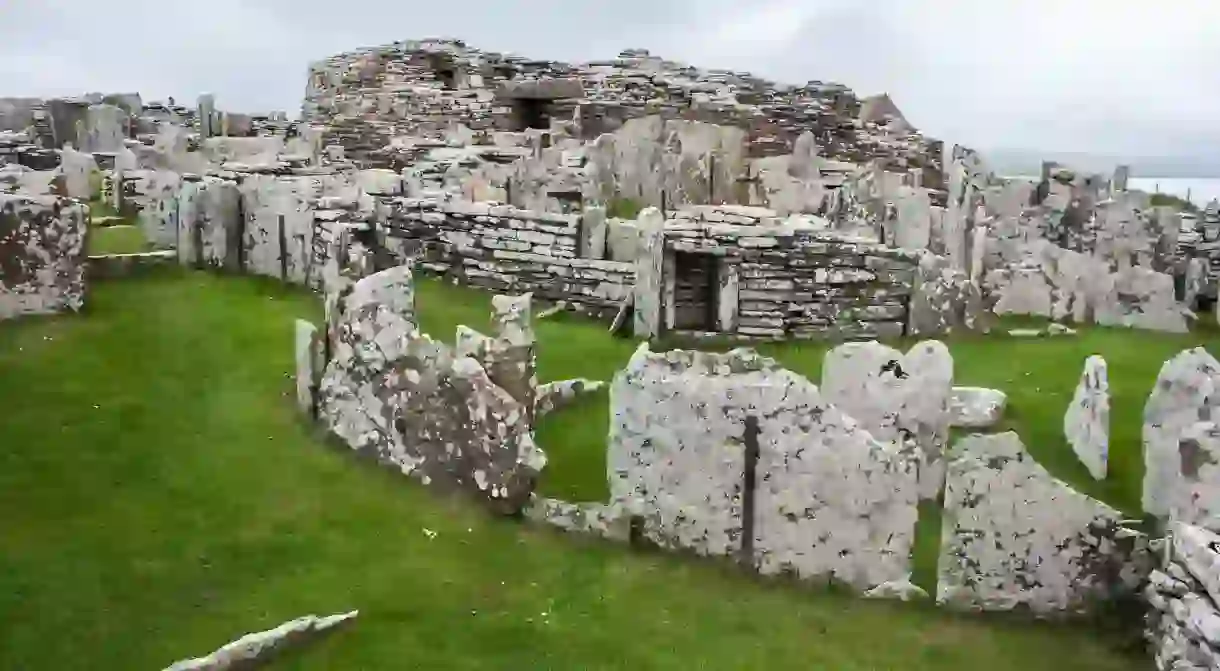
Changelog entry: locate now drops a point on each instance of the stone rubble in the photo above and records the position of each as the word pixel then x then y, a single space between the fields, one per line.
pixel 1183 623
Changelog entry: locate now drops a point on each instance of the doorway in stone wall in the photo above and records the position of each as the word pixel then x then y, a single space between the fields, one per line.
pixel 531 113
pixel 696 292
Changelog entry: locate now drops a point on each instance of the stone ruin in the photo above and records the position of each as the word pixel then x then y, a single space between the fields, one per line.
pixel 42 249
pixel 675 201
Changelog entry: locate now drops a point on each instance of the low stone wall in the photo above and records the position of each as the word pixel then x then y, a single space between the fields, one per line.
pixel 42 255
pixel 780 281
pixel 505 249
pixel 1184 598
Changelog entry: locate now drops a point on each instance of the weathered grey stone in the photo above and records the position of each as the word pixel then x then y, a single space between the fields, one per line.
pixel 556 395
pixel 42 255
pixel 306 376
pixel 1185 393
pixel 80 173
pixel 511 361
pixel 593 233
pixel 830 501
pixel 607 521
pixel 279 225
pixel 105 128
pixel 393 392
pixel 976 407
pixel 1196 497
pixel 1012 535
pixel 256 649
pixel 944 300
pixel 901 590
pixel 1086 424
pixel 895 397
pixel 648 273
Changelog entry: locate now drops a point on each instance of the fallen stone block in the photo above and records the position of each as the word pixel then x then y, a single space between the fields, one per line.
pixel 555 395
pixel 258 648
pixel 976 407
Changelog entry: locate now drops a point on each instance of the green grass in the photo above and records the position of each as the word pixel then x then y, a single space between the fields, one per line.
pixel 159 497
pixel 124 238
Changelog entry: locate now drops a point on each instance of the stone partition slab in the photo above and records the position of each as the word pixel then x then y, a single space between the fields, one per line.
pixel 1196 498
pixel 42 255
pixel 1185 393
pixel 279 226
pixel 1086 424
pixel 1014 536
pixel 825 500
pixel 393 392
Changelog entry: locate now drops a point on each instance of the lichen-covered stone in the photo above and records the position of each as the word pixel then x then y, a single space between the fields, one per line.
pixel 1086 424
pixel 1013 535
pixel 649 259
pixel 1185 393
pixel 944 299
pixel 256 649
pixel 394 393
pixel 609 521
pixel 42 255
pixel 976 407
pixel 1183 623
pixel 555 395
pixel 829 501
pixel 896 397
pixel 306 375
pixel 1196 497
pixel 511 360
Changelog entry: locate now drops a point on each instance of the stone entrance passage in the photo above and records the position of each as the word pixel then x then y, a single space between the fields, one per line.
pixel 531 113
pixel 696 292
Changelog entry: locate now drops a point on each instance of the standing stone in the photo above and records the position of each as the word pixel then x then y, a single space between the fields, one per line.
pixel 940 302
pixel 805 164
pixel 1185 393
pixel 593 233
pixel 307 376
pixel 1087 421
pixel 899 399
pixel 42 255
pixel 78 169
pixel 510 354
pixel 649 261
pixel 914 219
pixel 1196 277
pixel 105 128
pixel 1196 499
pixel 206 113
pixel 1014 536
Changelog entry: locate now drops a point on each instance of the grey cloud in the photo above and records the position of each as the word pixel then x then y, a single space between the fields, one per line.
pixel 1079 76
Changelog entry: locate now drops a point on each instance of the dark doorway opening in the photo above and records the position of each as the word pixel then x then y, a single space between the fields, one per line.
pixel 696 292
pixel 448 78
pixel 531 113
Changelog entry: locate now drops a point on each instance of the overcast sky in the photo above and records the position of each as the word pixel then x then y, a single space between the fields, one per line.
pixel 1103 76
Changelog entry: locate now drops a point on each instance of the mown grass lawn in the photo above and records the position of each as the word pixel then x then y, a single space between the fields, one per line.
pixel 159 497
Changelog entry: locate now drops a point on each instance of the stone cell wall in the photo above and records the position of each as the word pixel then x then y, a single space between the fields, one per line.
pixel 1183 623
pixel 505 249
pixel 42 255
pixel 732 455
pixel 792 282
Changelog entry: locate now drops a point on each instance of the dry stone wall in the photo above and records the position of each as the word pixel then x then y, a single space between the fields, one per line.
pixel 42 255
pixel 1183 623
pixel 505 249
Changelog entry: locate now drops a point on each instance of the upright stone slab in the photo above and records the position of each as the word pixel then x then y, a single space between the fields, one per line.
pixel 218 209
pixel 1086 424
pixel 510 354
pixel 42 255
pixel 159 219
pixel 396 394
pixel 105 128
pixel 914 219
pixel 206 115
pixel 941 300
pixel 593 233
pixel 1014 536
pixel 897 398
pixel 649 280
pixel 1196 498
pixel 1185 393
pixel 306 375
pixel 78 169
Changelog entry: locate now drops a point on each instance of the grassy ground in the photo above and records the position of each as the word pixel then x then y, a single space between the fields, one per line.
pixel 123 238
pixel 158 497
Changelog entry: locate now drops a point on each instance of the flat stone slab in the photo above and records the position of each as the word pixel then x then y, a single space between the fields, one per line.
pixel 976 407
